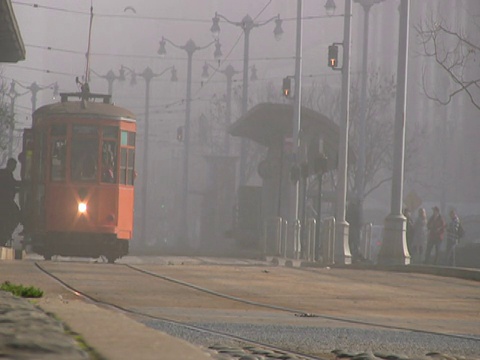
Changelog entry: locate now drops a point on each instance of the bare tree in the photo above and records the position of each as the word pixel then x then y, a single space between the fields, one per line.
pixel 454 51
pixel 381 89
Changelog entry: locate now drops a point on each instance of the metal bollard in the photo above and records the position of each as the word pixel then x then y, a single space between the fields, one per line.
pixel 297 228
pixel 328 240
pixel 366 242
pixel 311 232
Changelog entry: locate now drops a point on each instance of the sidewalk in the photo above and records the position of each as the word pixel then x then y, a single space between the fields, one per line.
pixel 26 331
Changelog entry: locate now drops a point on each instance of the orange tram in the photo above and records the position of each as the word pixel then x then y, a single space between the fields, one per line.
pixel 78 171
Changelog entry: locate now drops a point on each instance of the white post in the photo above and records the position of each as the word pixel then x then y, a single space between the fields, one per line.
pixel 297 125
pixel 341 224
pixel 394 246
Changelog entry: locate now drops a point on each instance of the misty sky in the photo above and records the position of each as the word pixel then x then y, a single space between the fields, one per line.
pixel 121 36
pixel 127 32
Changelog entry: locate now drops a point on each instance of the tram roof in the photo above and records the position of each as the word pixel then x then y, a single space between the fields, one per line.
pixel 85 109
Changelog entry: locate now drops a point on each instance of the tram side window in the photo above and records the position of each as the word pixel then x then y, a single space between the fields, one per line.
pixel 109 161
pixel 58 159
pixel 84 158
pixel 40 158
pixel 131 167
pixel 127 160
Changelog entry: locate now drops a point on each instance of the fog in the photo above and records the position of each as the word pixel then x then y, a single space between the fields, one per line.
pixel 446 171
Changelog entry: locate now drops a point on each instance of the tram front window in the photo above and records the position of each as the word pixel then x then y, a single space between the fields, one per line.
pixel 84 153
pixel 84 160
pixel 59 151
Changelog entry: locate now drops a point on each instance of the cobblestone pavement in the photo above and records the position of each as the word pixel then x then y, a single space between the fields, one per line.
pixel 27 332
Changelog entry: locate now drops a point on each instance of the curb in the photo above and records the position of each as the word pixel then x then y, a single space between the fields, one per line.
pixel 445 271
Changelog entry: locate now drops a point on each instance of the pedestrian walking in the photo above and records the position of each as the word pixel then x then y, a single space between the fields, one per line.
pixel 436 230
pixel 420 234
pixel 453 236
pixel 9 211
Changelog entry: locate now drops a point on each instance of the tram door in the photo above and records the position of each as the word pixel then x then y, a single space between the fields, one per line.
pixel 32 173
pixel 26 159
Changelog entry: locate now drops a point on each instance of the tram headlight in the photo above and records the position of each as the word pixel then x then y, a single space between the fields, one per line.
pixel 82 207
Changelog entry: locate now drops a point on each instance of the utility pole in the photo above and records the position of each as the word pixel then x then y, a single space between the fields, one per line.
pixel 394 246
pixel 190 48
pixel 342 227
pixel 297 126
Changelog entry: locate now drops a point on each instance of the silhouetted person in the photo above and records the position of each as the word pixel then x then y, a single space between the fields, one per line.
pixel 420 235
pixel 9 211
pixel 452 237
pixel 436 229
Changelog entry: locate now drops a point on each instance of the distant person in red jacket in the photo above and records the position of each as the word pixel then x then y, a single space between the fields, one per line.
pixel 436 229
pixel 9 211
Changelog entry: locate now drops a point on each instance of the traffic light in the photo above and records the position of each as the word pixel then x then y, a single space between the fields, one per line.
pixel 286 86
pixel 180 133
pixel 333 56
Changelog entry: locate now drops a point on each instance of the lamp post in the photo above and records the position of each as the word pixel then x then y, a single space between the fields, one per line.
pixel 229 72
pixel 33 88
pixel 247 24
pixel 360 174
pixel 190 47
pixel 296 122
pixel 110 77
pixel 342 227
pixel 394 247
pixel 147 75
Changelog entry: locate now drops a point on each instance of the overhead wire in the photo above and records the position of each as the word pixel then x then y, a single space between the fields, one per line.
pixel 77 52
pixel 232 48
pixel 156 18
pixel 139 17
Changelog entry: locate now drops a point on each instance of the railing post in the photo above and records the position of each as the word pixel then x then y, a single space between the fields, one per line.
pixel 328 241
pixel 312 229
pixel 284 238
pixel 366 240
pixel 297 229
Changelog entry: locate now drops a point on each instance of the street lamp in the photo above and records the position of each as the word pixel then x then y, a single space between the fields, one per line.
pixel 190 47
pixel 341 225
pixel 110 77
pixel 360 174
pixel 330 7
pixel 229 72
pixel 247 24
pixel 33 88
pixel 147 75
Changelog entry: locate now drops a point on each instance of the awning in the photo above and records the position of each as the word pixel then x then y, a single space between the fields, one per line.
pixel 266 123
pixel 12 48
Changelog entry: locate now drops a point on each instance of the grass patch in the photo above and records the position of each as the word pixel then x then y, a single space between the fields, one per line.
pixel 79 340
pixel 21 291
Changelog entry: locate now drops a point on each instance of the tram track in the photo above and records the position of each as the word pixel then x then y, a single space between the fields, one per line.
pixel 170 312
pixel 298 312
pixel 144 315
